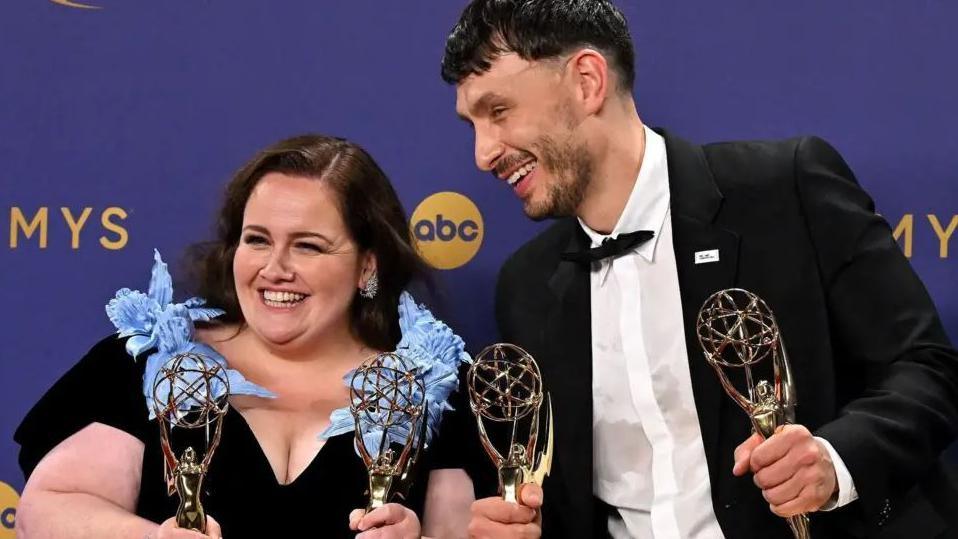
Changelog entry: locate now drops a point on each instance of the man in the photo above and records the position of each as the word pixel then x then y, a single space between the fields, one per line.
pixel 649 226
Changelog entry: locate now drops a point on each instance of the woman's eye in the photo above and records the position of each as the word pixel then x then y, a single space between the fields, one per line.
pixel 312 247
pixel 253 239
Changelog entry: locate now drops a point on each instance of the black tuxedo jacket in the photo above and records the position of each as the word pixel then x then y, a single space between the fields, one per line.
pixel 876 375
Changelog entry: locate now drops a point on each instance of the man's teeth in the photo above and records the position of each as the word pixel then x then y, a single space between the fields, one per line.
pixel 519 174
pixel 281 299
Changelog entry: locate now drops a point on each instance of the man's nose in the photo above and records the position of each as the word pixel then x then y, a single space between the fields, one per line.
pixel 488 149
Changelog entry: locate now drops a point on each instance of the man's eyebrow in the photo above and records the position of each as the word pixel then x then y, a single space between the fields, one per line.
pixel 482 105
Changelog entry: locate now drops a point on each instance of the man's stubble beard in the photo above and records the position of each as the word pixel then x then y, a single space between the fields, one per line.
pixel 570 166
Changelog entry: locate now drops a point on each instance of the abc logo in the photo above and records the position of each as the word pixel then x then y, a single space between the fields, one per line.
pixel 447 228
pixel 8 510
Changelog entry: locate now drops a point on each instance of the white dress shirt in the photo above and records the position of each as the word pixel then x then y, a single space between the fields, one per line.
pixel 649 459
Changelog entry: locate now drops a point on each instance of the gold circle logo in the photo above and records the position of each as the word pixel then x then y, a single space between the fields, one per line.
pixel 8 510
pixel 447 228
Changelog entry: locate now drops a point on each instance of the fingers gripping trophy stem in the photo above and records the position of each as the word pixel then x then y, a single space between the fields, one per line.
pixel 737 330
pixel 766 418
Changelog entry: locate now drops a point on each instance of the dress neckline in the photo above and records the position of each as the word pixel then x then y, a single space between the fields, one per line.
pixel 264 462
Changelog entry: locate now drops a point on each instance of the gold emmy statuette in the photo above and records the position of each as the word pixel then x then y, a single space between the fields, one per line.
pixel 737 330
pixel 388 399
pixel 505 387
pixel 190 391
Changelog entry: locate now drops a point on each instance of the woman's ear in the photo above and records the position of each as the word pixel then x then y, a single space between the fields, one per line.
pixel 368 267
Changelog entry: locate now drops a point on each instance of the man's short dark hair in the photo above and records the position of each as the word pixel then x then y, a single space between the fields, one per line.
pixel 537 29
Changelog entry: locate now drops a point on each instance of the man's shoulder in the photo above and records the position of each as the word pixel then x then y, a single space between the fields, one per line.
pixel 770 152
pixel 767 153
pixel 767 164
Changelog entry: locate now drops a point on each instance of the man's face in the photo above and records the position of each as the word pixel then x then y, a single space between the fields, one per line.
pixel 524 116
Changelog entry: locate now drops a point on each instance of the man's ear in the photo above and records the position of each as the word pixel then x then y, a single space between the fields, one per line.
pixel 590 71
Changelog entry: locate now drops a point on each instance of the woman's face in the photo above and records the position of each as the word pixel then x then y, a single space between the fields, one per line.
pixel 296 268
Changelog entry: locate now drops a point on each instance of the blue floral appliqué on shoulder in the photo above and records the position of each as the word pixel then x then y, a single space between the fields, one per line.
pixel 435 352
pixel 153 321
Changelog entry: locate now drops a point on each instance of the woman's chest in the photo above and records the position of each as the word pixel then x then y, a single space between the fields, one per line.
pixel 242 483
pixel 288 440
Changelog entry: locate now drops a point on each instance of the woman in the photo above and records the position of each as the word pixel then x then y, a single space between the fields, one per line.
pixel 309 266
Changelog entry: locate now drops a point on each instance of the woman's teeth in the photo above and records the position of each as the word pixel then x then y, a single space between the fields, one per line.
pixel 282 299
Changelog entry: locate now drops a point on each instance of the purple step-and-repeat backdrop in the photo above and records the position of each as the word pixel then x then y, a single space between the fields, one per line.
pixel 120 121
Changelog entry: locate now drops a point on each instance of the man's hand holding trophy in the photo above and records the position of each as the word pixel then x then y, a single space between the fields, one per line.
pixel 738 332
pixel 505 389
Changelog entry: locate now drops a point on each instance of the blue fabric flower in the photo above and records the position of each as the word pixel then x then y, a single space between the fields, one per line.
pixel 153 321
pixel 435 354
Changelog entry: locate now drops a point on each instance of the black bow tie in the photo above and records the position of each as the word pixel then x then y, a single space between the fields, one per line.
pixel 611 247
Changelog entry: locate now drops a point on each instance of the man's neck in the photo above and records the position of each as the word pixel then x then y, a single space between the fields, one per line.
pixel 616 170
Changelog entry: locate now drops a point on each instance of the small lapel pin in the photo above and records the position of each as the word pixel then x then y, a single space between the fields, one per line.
pixel 705 257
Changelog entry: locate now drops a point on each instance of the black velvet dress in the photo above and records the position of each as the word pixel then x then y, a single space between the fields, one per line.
pixel 240 490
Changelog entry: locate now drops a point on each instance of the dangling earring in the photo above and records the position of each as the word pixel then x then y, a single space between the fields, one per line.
pixel 371 287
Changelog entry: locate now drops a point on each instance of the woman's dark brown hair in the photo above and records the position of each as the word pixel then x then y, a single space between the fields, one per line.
pixel 369 206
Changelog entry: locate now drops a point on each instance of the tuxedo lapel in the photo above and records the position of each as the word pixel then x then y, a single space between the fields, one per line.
pixel 707 258
pixel 569 336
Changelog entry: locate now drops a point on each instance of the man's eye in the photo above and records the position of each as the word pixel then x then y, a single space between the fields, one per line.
pixel 498 112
